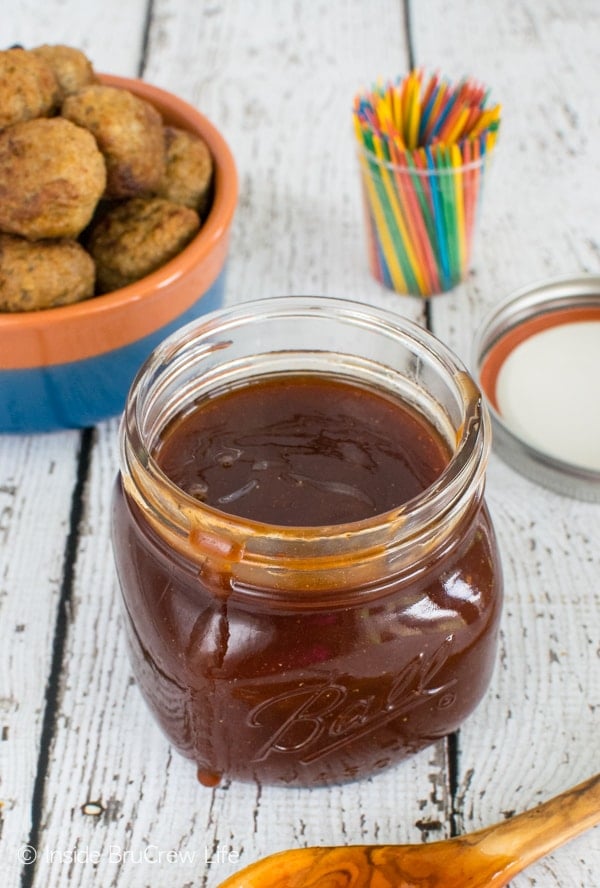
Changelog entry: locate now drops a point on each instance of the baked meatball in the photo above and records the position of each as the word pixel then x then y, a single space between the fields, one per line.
pixel 129 132
pixel 72 68
pixel 52 175
pixel 138 236
pixel 189 170
pixel 43 274
pixel 28 87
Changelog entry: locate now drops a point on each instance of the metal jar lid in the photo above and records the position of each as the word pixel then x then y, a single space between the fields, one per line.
pixel 538 365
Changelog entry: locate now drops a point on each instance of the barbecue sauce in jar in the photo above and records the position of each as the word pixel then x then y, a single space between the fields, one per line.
pixel 305 602
pixel 303 451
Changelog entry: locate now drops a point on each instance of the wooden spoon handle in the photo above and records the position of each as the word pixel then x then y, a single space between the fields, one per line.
pixel 529 836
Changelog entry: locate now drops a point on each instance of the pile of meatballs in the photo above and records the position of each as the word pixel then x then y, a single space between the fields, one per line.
pixel 96 191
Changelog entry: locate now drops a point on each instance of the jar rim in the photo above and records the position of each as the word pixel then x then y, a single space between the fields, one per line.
pixel 465 467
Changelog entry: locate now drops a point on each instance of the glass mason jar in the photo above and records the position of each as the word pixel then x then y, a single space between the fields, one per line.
pixel 307 655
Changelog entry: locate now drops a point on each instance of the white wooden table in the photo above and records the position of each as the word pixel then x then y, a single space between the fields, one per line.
pixel 86 778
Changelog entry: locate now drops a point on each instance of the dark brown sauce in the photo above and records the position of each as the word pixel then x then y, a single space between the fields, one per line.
pixel 302 451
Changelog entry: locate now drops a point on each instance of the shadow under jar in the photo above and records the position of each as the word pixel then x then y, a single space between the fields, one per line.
pixel 310 577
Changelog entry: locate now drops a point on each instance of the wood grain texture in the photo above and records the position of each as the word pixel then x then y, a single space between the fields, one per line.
pixel 539 219
pixel 120 807
pixel 112 34
pixel 279 81
pixel 539 214
pixel 37 478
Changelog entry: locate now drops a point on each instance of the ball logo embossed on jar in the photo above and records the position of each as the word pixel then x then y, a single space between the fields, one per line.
pixel 326 717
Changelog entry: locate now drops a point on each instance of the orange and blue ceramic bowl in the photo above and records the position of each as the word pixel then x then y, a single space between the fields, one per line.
pixel 71 367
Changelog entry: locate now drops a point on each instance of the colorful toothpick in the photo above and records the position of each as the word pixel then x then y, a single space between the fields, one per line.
pixel 423 145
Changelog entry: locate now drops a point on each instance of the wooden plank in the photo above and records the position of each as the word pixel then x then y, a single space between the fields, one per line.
pixel 152 822
pixel 539 212
pixel 37 477
pixel 535 734
pixel 279 81
pixel 111 34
